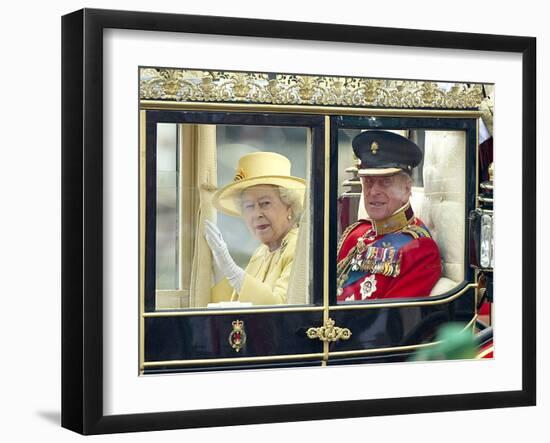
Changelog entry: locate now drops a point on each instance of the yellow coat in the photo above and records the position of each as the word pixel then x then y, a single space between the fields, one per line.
pixel 266 276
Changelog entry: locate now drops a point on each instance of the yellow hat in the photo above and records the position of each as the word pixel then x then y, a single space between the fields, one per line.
pixel 258 168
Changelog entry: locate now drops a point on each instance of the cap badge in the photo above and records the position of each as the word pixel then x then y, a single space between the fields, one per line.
pixel 374 147
pixel 240 175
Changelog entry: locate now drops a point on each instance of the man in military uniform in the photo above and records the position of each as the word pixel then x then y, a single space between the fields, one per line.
pixel 392 253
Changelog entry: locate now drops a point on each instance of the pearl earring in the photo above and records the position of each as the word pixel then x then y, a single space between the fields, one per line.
pixel 289 217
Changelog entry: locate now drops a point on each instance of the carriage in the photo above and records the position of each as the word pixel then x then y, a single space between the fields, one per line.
pixel 195 124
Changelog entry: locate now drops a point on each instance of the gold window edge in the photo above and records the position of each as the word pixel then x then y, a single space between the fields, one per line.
pixel 325 308
pixel 243 311
pixel 395 304
pixel 159 105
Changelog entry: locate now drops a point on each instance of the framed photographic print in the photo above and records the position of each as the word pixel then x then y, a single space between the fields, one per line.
pixel 277 221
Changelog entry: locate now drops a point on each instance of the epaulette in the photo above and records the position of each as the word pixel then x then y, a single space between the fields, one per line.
pixel 416 231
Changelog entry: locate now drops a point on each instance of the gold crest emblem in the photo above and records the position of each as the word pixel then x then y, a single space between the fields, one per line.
pixel 374 147
pixel 237 337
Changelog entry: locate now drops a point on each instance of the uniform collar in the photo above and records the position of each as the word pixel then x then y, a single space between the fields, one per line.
pixel 395 222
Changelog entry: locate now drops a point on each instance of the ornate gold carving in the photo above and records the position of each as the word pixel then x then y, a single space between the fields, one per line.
pixel 289 89
pixel 329 332
pixel 487 107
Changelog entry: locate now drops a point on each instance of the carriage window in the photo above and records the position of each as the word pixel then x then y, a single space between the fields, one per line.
pixel 231 216
pixel 401 213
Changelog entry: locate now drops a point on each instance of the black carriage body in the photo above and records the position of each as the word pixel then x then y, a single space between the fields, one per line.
pixel 381 331
pixel 379 334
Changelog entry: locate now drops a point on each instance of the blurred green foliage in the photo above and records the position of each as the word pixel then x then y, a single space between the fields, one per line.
pixel 453 342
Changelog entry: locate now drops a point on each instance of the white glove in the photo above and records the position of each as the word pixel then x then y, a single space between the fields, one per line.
pixel 218 273
pixel 223 262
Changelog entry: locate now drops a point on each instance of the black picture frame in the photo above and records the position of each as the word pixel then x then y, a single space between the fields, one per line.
pixel 82 218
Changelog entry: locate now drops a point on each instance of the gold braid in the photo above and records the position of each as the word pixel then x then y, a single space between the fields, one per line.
pixel 343 264
pixel 345 234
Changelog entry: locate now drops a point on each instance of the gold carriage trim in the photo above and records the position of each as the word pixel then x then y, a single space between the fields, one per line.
pixel 186 85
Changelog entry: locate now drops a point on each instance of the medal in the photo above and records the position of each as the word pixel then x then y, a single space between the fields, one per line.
pixel 367 287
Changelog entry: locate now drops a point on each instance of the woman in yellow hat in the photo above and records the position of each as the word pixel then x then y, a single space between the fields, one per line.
pixel 270 201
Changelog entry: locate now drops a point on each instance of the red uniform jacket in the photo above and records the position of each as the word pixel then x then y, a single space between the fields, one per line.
pixel 404 263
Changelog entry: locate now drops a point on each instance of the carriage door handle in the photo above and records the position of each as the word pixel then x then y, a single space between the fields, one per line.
pixel 328 332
